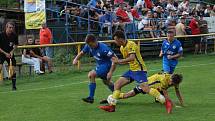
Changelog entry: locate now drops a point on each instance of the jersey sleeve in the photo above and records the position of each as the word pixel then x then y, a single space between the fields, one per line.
pixel 180 49
pixel 86 49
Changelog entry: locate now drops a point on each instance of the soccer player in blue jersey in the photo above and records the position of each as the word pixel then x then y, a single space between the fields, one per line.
pixel 171 50
pixel 104 66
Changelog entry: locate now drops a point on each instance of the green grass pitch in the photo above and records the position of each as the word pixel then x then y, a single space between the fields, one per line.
pixel 57 96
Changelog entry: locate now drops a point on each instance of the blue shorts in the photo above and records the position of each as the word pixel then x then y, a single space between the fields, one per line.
pixel 138 76
pixel 169 67
pixel 102 70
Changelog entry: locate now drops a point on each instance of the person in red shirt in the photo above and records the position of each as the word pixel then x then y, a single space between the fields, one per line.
pixel 135 13
pixel 121 13
pixel 118 1
pixel 194 26
pixel 46 38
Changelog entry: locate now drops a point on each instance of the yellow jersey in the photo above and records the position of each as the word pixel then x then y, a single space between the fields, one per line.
pixel 159 81
pixel 132 48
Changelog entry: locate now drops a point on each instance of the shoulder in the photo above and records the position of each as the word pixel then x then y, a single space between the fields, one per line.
pixel 131 44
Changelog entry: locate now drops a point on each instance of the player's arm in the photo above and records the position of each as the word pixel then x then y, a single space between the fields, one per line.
pixel 112 69
pixel 176 56
pixel 130 58
pixel 178 94
pixel 161 53
pixel 165 94
pixel 75 61
pixel 14 46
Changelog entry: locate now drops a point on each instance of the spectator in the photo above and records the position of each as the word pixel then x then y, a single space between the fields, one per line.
pixel 213 12
pixel 148 24
pixel 117 2
pixel 8 44
pixel 170 6
pixel 148 4
pixel 92 3
pixel 46 38
pixel 207 11
pixel 184 6
pixel 31 60
pixel 180 30
pixel 194 26
pixel 37 53
pixel 203 30
pixel 121 13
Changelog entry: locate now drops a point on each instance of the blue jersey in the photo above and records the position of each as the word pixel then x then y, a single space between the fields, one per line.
pixel 171 49
pixel 102 53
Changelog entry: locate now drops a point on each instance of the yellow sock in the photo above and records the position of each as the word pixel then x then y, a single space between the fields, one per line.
pixel 116 94
pixel 121 95
pixel 155 93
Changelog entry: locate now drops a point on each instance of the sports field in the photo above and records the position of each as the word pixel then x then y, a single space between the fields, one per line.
pixel 57 96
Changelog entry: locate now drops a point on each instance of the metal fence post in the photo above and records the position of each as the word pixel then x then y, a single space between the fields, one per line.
pixel 79 50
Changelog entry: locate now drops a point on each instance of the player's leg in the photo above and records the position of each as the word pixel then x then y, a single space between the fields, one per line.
pixel 91 86
pixel 166 67
pixel 122 81
pixel 109 84
pixel 153 92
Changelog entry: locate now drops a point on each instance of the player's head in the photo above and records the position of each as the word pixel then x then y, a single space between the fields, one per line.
pixel 176 79
pixel 91 41
pixel 119 38
pixel 170 35
pixel 10 28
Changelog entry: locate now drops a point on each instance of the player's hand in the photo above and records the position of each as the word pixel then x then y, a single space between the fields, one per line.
pixel 169 56
pixel 75 62
pixel 8 55
pixel 115 60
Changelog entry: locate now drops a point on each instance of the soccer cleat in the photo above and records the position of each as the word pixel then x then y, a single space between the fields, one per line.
pixel 88 100
pixel 108 108
pixel 104 101
pixel 168 105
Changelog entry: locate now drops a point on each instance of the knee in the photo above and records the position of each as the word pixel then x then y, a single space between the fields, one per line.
pixel 92 74
pixel 145 88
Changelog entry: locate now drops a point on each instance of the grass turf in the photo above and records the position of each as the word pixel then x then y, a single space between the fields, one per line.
pixel 57 96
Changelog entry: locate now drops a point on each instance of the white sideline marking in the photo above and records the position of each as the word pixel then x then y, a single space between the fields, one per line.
pixel 37 89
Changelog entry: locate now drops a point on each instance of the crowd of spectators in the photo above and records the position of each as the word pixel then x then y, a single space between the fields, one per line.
pixel 152 16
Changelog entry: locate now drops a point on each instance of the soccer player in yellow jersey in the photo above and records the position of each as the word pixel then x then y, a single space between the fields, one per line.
pixel 161 82
pixel 137 71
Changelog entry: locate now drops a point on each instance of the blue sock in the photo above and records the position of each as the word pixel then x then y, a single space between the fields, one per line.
pixel 111 87
pixel 92 88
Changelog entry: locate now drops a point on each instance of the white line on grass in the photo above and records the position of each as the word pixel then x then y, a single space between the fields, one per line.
pixel 57 86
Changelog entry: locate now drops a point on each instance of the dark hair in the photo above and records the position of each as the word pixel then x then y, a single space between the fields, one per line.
pixel 8 23
pixel 176 78
pixel 119 34
pixel 90 38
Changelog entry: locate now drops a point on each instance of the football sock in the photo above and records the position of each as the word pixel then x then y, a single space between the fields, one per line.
pixel 116 94
pixel 111 87
pixel 121 95
pixel 14 81
pixel 92 88
pixel 155 93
